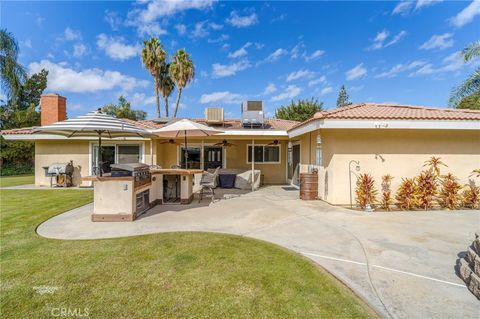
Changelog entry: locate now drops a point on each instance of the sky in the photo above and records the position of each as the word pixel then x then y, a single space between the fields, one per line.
pixel 382 51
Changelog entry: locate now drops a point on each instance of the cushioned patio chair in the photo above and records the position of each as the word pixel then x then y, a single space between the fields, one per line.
pixel 208 183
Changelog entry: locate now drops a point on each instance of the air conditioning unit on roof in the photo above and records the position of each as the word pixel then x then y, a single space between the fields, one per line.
pixel 214 115
pixel 252 114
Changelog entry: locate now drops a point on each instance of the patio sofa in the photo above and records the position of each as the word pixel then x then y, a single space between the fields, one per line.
pixel 243 179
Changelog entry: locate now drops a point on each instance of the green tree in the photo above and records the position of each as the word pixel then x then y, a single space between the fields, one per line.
pixel 182 71
pixel 343 98
pixel 472 84
pixel 123 110
pixel 300 110
pixel 166 85
pixel 471 102
pixel 153 58
pixel 12 74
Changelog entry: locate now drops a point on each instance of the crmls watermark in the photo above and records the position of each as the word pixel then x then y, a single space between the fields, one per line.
pixel 64 312
pixel 45 289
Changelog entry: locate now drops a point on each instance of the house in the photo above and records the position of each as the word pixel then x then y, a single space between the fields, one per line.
pixel 361 138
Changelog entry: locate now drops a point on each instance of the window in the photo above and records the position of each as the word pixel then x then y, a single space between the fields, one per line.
pixel 114 154
pixel 128 154
pixel 194 157
pixel 266 154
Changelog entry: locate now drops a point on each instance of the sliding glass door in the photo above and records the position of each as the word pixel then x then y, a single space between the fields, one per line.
pixel 113 154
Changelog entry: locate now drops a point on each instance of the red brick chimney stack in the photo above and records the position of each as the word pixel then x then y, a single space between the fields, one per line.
pixel 53 108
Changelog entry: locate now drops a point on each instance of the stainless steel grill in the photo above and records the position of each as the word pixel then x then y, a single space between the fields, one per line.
pixel 61 174
pixel 140 172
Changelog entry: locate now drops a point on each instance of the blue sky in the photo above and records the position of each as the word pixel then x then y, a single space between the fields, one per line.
pixel 400 52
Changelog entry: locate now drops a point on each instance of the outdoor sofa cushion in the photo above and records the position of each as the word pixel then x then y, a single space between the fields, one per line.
pixel 244 180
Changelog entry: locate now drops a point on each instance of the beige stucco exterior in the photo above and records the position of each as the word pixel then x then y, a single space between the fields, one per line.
pixel 400 153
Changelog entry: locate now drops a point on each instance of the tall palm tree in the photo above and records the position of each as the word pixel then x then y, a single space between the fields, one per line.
pixel 472 84
pixel 153 58
pixel 11 72
pixel 182 71
pixel 166 85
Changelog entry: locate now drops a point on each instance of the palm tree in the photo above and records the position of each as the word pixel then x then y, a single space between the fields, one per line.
pixel 472 84
pixel 182 71
pixel 11 72
pixel 153 58
pixel 166 85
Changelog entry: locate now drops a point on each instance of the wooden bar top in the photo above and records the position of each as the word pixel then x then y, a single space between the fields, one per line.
pixel 106 178
pixel 175 171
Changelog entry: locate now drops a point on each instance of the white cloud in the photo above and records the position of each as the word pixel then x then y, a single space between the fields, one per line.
pixel 225 97
pixel 289 93
pixel 200 30
pixel 274 56
pixel 61 77
pixel 315 55
pixel 271 88
pixel 116 47
pixel 181 29
pixel 326 90
pixel 403 7
pixel 380 40
pixel 112 18
pixel 70 34
pixel 438 41
pixel 425 3
pixel 224 70
pixel 27 43
pixel 146 15
pixel 467 14
pixel 357 72
pixel 242 21
pixel 399 68
pixel 300 74
pixel 295 52
pixel 221 38
pixel 321 79
pixel 140 99
pixel 79 50
pixel 240 52
pixel 450 63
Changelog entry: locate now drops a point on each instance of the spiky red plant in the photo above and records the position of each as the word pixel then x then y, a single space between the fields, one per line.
pixel 475 172
pixel 450 192
pixel 365 191
pixel 426 189
pixel 406 197
pixel 434 164
pixel 386 200
pixel 471 196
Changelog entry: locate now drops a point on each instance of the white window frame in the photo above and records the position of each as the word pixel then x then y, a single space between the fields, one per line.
pixel 114 143
pixel 263 154
pixel 202 153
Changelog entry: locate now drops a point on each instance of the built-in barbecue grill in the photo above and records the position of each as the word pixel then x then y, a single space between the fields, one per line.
pixel 61 174
pixel 140 172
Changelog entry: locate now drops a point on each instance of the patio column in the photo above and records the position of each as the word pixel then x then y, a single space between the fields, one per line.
pixel 253 165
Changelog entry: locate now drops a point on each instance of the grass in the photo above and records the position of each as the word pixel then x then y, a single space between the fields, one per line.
pixel 8 181
pixel 174 275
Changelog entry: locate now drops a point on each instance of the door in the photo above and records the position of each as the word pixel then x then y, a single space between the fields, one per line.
pixel 293 165
pixel 212 157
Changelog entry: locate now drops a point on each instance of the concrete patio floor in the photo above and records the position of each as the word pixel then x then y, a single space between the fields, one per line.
pixel 401 263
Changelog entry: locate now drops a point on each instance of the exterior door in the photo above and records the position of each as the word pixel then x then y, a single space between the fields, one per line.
pixel 212 157
pixel 293 165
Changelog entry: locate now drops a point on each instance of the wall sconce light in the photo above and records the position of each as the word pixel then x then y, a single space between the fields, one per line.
pixel 319 139
pixel 290 145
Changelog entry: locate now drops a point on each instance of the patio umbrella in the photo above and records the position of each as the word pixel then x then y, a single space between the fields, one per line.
pixel 184 128
pixel 93 124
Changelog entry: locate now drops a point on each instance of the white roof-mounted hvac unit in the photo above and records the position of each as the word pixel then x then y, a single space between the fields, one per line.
pixel 214 115
pixel 252 114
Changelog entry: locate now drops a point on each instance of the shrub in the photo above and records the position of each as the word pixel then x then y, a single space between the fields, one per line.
pixel 471 196
pixel 475 172
pixel 449 194
pixel 426 189
pixel 434 164
pixel 365 190
pixel 406 197
pixel 387 200
pixel 16 169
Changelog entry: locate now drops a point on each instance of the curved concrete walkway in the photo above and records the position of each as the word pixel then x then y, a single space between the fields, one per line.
pixel 402 264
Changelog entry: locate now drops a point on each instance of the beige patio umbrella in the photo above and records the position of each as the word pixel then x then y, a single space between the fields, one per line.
pixel 184 128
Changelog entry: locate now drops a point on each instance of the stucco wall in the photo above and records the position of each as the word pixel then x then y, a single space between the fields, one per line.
pixel 400 153
pixel 49 152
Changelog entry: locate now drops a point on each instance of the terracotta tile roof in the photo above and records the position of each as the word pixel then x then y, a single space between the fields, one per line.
pixel 377 111
pixel 230 124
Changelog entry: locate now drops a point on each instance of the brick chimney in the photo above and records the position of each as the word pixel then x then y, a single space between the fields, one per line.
pixel 53 108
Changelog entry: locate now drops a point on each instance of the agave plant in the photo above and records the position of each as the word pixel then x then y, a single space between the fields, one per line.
pixel 386 200
pixel 426 189
pixel 450 192
pixel 365 191
pixel 406 194
pixel 434 164
pixel 471 196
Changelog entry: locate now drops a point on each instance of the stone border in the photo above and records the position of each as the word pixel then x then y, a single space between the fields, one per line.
pixel 469 267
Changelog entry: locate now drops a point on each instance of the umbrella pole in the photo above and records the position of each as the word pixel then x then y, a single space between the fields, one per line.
pixel 100 157
pixel 186 150
pixel 253 165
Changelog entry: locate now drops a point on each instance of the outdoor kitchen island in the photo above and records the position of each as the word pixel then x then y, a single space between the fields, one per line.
pixel 124 198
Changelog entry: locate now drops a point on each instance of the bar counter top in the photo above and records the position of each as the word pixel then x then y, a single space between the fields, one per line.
pixel 163 171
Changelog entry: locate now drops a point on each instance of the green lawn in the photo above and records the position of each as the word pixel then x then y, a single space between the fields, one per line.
pixel 173 275
pixel 16 180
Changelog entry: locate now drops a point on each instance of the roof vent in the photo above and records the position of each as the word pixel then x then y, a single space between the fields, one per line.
pixel 252 114
pixel 214 115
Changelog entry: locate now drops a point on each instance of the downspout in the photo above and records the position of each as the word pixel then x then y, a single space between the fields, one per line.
pixel 253 165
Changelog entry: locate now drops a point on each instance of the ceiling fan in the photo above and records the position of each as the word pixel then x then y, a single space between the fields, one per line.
pixel 171 141
pixel 224 143
pixel 275 142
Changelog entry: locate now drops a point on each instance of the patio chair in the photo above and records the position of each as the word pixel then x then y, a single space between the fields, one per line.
pixel 208 183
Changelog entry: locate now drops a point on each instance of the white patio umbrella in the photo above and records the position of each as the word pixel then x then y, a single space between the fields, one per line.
pixel 184 128
pixel 93 124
